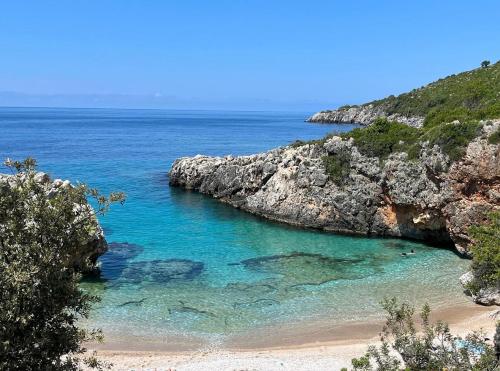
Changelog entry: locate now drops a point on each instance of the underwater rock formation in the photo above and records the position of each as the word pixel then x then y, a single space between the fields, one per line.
pixel 301 268
pixel 161 271
pixel 115 260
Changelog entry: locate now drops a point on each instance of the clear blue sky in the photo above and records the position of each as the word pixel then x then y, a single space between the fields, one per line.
pixel 239 54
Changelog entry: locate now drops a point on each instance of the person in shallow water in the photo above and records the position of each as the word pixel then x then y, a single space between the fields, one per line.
pixel 412 252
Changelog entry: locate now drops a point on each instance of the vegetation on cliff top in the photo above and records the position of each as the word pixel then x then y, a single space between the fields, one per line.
pixel 40 300
pixel 384 137
pixel 495 137
pixel 452 108
pixel 468 95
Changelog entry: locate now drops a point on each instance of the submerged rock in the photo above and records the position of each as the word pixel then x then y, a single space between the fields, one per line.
pixel 259 303
pixel 184 308
pixel 162 271
pixel 304 269
pixel 122 250
pixel 132 302
pixel 115 260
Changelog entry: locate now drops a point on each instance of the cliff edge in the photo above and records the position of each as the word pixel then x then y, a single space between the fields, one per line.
pixel 363 115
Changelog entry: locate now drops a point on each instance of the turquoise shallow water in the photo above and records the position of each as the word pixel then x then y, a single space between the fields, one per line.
pixel 182 263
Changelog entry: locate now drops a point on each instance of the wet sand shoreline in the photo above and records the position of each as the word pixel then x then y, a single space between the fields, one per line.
pixel 303 347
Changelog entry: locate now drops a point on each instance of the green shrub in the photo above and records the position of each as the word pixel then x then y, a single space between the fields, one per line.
pixel 338 166
pixel 486 253
pixel 384 137
pixel 347 106
pixel 436 348
pixel 495 137
pixel 465 96
pixel 40 299
pixel 453 138
pixel 463 114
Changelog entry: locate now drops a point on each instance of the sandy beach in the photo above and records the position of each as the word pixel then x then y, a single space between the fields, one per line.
pixel 304 347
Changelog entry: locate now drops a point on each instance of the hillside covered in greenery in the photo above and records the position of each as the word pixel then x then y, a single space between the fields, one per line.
pixel 468 95
pixel 452 108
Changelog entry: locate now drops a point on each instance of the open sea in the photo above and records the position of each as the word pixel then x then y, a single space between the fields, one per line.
pixel 182 265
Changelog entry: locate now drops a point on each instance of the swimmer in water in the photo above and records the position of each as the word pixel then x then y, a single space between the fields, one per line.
pixel 412 252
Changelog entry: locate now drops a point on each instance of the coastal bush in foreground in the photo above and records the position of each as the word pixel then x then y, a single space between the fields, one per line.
pixel 41 233
pixel 432 347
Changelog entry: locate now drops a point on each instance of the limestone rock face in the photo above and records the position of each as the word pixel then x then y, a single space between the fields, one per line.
pixel 475 183
pixel 364 115
pixel 485 296
pixel 429 199
pixel 96 244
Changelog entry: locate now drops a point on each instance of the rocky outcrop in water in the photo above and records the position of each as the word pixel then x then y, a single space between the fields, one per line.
pixel 364 115
pixel 429 199
pixel 96 244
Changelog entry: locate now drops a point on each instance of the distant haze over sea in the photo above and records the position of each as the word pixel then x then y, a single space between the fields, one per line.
pixel 157 100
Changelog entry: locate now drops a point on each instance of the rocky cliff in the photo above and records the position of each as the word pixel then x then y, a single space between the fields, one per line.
pixel 95 245
pixel 430 199
pixel 364 115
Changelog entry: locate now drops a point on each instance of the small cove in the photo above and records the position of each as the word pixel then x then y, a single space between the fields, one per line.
pixel 182 264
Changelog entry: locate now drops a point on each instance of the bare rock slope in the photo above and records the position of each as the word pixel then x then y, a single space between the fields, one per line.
pixel 364 115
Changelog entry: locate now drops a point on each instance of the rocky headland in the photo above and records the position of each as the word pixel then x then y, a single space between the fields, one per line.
pixel 363 115
pixel 429 199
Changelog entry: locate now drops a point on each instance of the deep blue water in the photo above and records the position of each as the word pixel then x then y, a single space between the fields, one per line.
pixel 192 265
